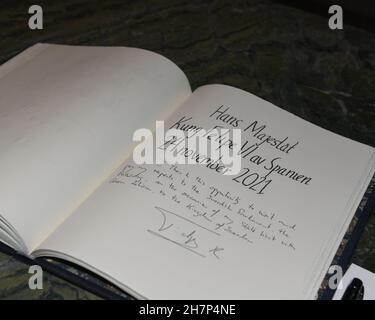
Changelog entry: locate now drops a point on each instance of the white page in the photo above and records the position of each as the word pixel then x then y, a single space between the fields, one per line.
pixel 123 231
pixel 67 115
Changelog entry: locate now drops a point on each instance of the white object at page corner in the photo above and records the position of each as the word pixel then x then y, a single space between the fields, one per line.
pixel 367 277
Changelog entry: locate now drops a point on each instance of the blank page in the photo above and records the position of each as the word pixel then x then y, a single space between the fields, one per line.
pixel 67 115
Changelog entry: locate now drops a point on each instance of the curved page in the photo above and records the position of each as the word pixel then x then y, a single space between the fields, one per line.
pixel 67 115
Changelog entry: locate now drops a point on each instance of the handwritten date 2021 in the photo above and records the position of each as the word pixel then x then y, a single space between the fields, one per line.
pixel 252 181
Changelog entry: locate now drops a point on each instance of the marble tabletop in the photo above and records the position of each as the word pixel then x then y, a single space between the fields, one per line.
pixel 285 55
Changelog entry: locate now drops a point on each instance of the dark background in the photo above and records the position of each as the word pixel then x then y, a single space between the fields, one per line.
pixel 282 51
pixel 360 13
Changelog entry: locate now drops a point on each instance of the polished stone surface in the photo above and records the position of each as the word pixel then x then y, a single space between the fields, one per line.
pixel 284 55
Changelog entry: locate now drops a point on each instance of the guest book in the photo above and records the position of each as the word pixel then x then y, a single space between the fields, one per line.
pixel 70 189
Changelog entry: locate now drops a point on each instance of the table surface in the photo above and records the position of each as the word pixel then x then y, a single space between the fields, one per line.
pixel 285 55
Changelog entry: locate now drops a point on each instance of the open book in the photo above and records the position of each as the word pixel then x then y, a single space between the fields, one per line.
pixel 69 187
